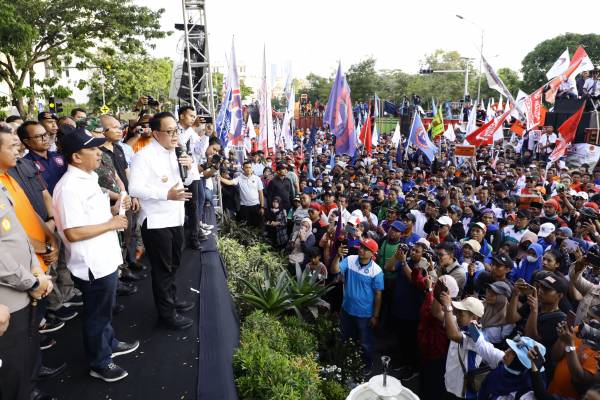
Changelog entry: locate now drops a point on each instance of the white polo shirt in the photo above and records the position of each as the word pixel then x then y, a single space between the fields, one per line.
pixel 79 201
pixel 154 171
pixel 249 187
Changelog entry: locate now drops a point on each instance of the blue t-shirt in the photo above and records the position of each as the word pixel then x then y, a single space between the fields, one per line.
pixel 51 168
pixel 360 285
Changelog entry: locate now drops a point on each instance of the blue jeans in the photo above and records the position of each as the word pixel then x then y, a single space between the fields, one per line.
pixel 98 335
pixel 358 329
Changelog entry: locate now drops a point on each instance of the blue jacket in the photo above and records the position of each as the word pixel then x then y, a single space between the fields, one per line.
pixel 526 269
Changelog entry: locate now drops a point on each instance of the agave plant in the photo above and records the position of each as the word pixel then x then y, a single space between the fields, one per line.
pixel 274 300
pixel 307 292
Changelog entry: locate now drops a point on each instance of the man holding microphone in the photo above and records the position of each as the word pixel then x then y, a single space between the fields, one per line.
pixel 157 179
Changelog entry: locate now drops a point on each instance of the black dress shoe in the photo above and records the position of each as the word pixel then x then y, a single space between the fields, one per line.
pixel 182 306
pixel 128 276
pixel 37 394
pixel 117 309
pixel 49 372
pixel 178 323
pixel 126 289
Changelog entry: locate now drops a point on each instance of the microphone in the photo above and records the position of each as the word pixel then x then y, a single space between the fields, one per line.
pixel 183 173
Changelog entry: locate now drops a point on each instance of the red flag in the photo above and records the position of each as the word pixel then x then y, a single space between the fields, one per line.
pixel 518 128
pixel 580 57
pixel 485 134
pixel 566 134
pixel 366 135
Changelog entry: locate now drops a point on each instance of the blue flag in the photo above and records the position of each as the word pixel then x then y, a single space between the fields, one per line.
pixel 310 167
pixel 418 137
pixel 338 115
pixel 332 160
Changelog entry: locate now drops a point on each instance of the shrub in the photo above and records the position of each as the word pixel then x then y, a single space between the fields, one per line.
pixel 265 366
pixel 246 262
pixel 333 390
pixel 301 340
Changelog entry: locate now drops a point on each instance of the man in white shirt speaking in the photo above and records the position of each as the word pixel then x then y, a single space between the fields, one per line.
pixel 156 181
pixel 88 229
pixel 252 201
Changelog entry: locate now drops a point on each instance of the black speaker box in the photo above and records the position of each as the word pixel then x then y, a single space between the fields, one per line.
pixel 588 120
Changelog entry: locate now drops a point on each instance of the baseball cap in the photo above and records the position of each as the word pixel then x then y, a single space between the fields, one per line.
pixel 297 198
pixel 480 225
pixel 451 284
pixel 315 206
pixel 471 304
pixel 583 195
pixel 281 165
pixel 521 346
pixel 79 139
pixel 399 226
pixel 309 190
pixel 410 216
pixel 455 209
pixel 565 231
pixel 501 287
pixel 371 245
pixel 433 202
pixel 487 211
pixel 555 282
pixel 445 220
pixel 503 260
pixel 46 115
pixel 546 229
pixel 474 244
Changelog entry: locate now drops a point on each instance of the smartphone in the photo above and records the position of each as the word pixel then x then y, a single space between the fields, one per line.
pixel 525 287
pixel 571 318
pixel 439 288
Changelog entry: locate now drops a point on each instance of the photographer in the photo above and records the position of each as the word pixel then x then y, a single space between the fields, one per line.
pixel 589 291
pixel 410 266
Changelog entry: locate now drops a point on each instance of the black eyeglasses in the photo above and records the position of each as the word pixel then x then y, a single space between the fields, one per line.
pixel 41 137
pixel 172 133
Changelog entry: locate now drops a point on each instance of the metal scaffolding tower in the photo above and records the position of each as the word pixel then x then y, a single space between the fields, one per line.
pixel 195 83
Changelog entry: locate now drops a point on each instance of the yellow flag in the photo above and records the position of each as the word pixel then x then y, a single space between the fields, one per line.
pixel 437 124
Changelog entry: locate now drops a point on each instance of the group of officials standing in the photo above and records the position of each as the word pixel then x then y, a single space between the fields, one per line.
pixel 165 184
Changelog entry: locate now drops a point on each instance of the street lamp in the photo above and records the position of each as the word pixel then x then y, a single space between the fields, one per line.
pixel 480 53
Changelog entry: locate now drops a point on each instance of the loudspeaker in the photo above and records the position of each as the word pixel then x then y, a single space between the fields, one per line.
pixel 588 120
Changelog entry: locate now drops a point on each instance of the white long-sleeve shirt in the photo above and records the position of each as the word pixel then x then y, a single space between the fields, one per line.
pixel 154 171
pixel 189 135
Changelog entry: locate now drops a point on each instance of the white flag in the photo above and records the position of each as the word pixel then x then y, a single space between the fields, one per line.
pixel 472 122
pixel 519 102
pixel 289 114
pixel 375 135
pixel 559 65
pixel 266 139
pixel 396 136
pixel 500 106
pixel 449 134
pixel 250 127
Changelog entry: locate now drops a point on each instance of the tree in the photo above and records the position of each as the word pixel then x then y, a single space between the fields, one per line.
pixel 540 59
pixel 57 32
pixel 363 80
pixel 509 77
pixel 318 88
pixel 245 91
pixel 444 85
pixel 126 78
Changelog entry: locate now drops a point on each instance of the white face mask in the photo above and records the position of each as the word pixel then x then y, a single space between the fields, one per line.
pixel 531 258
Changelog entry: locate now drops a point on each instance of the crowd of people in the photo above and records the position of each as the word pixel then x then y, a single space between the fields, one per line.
pixel 483 271
pixel 479 275
pixel 82 200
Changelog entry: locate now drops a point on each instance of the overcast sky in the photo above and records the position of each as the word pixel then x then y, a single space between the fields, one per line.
pixel 313 34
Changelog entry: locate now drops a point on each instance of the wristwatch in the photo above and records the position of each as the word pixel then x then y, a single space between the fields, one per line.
pixel 449 309
pixel 569 349
pixel 36 284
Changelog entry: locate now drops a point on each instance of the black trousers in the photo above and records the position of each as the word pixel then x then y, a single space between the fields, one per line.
pixel 191 210
pixel 19 349
pixel 250 214
pixel 163 247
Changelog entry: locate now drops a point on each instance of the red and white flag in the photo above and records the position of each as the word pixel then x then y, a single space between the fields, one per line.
pixel 533 109
pixel 485 134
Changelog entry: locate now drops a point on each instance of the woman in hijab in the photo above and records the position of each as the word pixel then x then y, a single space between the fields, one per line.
pixel 300 244
pixel 495 329
pixel 530 264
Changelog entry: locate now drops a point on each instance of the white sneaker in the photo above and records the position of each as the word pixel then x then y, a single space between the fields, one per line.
pixel 205 232
pixel 206 227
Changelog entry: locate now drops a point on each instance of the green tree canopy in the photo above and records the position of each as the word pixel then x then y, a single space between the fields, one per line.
pixel 318 88
pixel 126 78
pixel 58 31
pixel 363 79
pixel 540 59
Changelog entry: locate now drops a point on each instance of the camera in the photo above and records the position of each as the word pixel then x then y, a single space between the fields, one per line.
pixel 152 102
pixel 403 247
